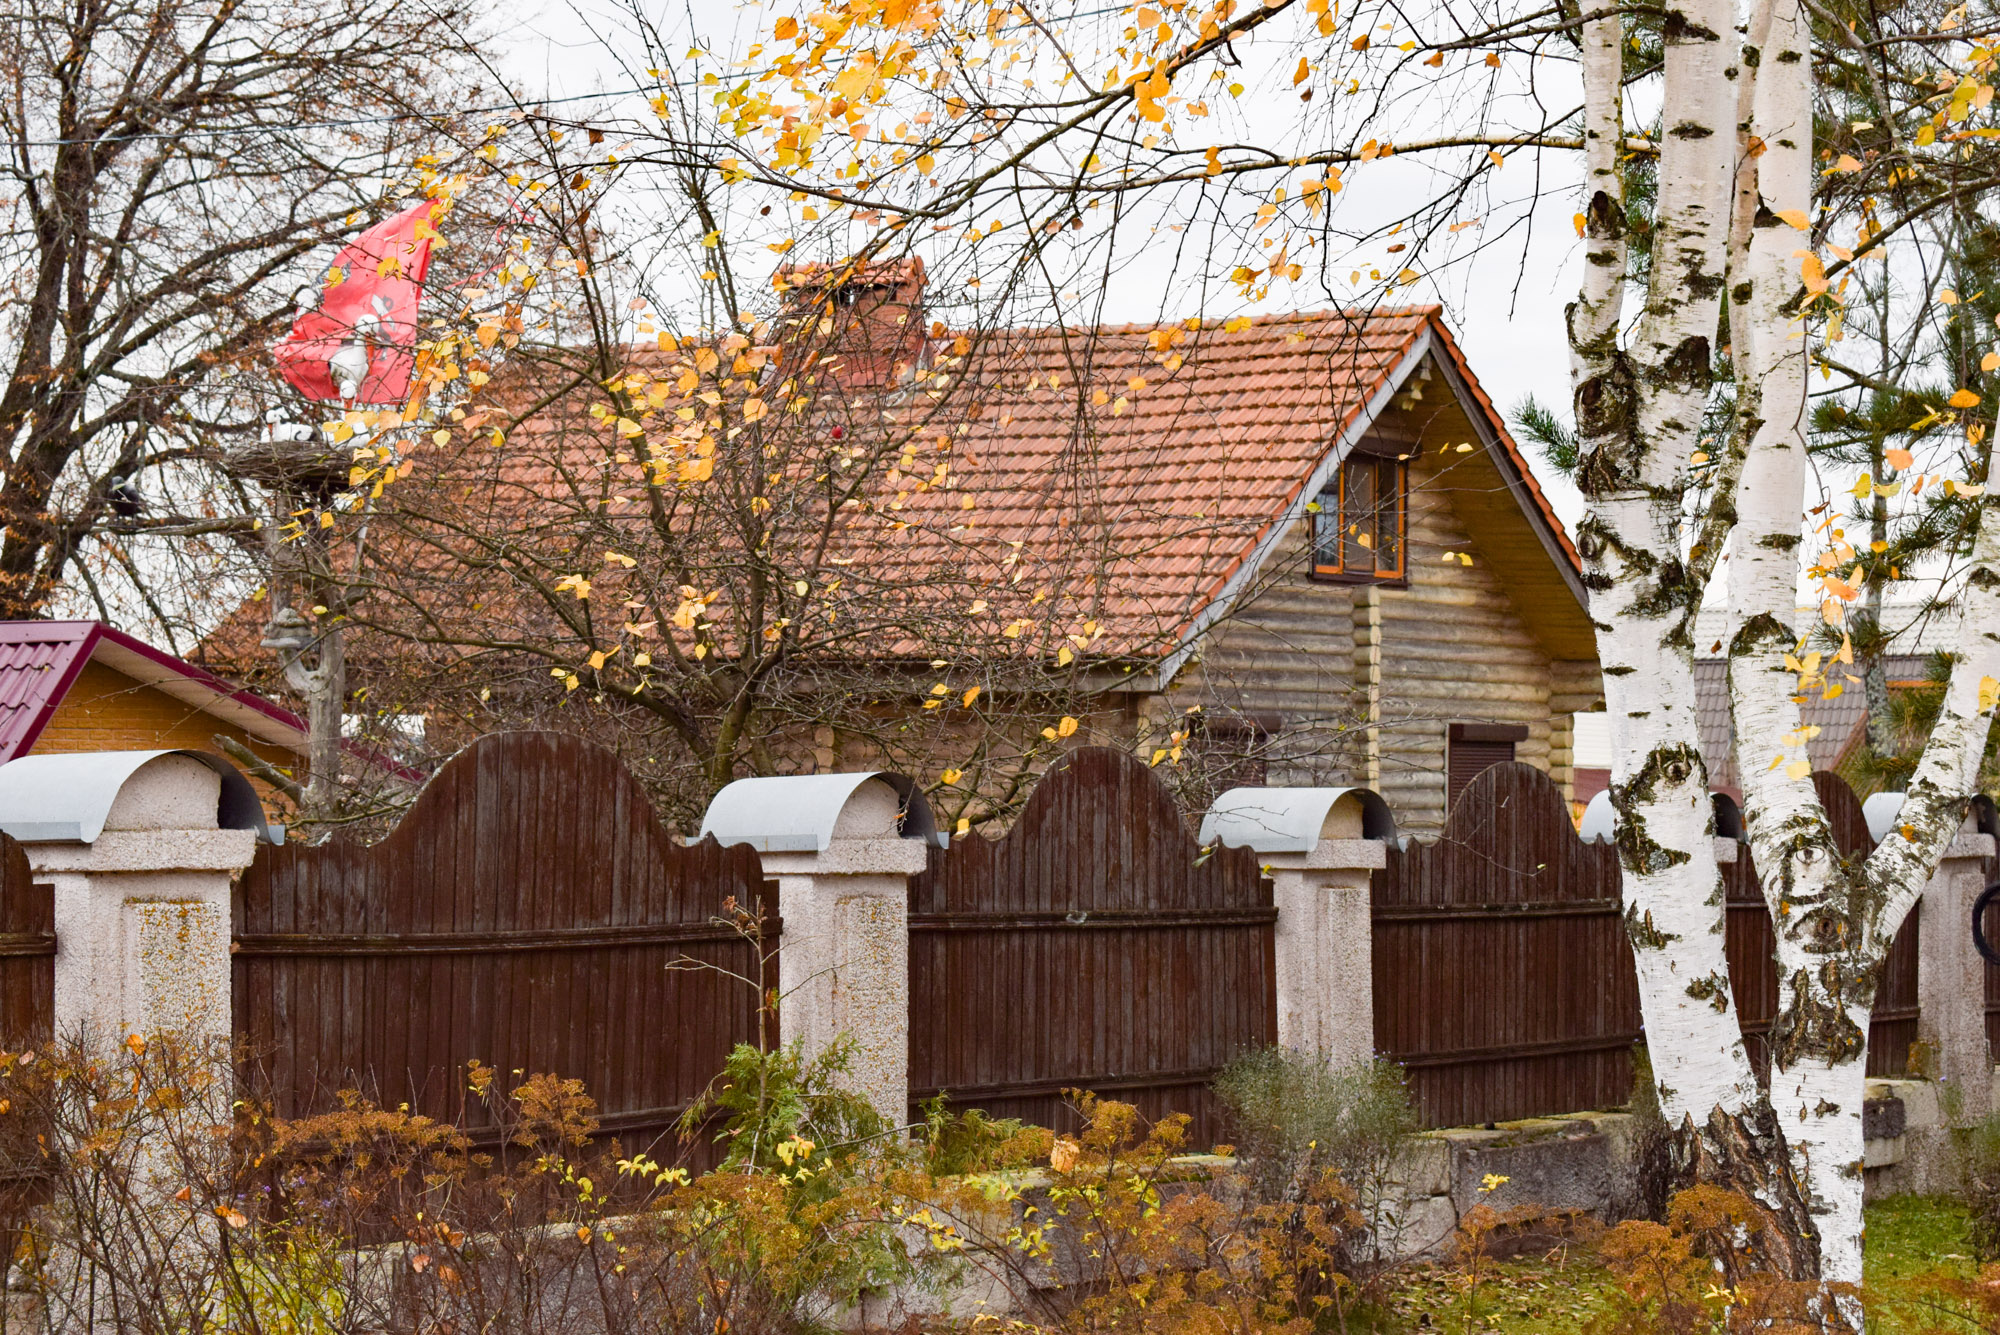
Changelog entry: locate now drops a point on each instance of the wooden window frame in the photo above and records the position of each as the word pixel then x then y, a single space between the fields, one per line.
pixel 1333 501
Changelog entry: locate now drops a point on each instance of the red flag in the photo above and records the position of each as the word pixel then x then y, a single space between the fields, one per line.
pixel 368 312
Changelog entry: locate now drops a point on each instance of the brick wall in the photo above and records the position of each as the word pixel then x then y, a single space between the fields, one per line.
pixel 108 711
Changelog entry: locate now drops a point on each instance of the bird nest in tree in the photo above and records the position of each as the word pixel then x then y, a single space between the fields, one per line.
pixel 304 464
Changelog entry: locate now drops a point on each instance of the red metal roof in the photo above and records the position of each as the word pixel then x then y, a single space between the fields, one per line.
pixel 40 660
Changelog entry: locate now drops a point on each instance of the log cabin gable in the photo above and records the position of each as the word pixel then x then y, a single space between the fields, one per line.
pixel 1430 412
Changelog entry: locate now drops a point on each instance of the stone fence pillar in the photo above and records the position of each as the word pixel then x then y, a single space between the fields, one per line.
pixel 1951 977
pixel 142 847
pixel 1951 981
pixel 843 848
pixel 1318 846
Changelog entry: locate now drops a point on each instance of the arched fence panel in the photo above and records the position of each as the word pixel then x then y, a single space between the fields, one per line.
pixel 1094 947
pixel 1504 982
pixel 528 913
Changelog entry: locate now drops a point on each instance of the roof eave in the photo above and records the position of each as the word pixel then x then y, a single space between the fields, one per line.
pixel 200 689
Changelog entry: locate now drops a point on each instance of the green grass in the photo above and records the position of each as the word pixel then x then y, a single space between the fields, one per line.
pixel 1910 1239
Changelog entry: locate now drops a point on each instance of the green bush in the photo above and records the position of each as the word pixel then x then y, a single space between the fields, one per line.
pixel 1982 1187
pixel 1298 1118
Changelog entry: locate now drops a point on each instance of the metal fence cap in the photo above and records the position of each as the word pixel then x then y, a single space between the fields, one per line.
pixel 67 798
pixel 798 813
pixel 1289 820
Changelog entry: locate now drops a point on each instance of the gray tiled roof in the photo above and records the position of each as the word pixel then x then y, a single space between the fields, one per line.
pixel 1838 718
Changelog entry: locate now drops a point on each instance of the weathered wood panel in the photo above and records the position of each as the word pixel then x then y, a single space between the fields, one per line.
pixel 27 1020
pixel 27 952
pixel 1503 977
pixel 1092 947
pixel 529 913
pixel 1751 944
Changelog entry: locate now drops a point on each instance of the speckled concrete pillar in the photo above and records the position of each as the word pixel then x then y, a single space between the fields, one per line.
pixel 1951 982
pixel 142 911
pixel 844 969
pixel 1325 955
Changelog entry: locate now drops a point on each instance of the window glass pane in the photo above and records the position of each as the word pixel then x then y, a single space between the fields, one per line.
pixel 1389 518
pixel 1357 518
pixel 1326 529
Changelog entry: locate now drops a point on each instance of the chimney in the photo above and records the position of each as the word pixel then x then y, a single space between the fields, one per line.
pixel 866 319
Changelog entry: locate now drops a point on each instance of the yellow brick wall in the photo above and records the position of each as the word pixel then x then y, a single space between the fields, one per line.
pixel 108 711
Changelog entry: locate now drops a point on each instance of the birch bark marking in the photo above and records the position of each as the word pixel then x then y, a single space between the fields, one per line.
pixel 1638 415
pixel 1835 920
pixel 1826 966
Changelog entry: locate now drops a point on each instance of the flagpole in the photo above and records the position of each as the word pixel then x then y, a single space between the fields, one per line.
pixel 352 344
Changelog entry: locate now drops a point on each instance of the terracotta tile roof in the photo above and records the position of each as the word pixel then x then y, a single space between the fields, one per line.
pixel 1118 477
pixel 1207 442
pixel 1169 454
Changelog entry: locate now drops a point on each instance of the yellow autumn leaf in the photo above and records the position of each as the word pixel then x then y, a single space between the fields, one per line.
pixel 1898 459
pixel 1964 398
pixel 1300 74
pixel 950 776
pixel 1067 728
pixel 1990 362
pixel 1799 769
pixel 970 696
pixel 1064 656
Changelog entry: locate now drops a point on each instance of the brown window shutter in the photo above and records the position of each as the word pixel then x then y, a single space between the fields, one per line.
pixel 1473 748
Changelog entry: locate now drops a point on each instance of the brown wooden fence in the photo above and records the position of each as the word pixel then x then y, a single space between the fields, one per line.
pixel 27 1020
pixel 1091 947
pixel 27 951
pixel 528 912
pixel 1503 977
pixel 1753 976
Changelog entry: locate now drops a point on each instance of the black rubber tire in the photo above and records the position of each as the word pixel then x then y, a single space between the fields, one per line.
pixel 1979 906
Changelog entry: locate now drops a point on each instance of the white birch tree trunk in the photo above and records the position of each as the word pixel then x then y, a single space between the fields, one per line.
pixel 1639 409
pixel 1834 920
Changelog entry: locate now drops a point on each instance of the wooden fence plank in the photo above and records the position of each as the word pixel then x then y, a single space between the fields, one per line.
pixel 1503 977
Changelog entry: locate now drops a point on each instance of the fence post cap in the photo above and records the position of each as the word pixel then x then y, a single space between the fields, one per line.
pixel 1295 820
pixel 806 813
pixel 74 798
pixel 1884 813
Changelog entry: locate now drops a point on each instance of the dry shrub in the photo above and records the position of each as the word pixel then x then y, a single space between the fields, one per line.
pixel 169 1206
pixel 1142 1241
pixel 1696 1274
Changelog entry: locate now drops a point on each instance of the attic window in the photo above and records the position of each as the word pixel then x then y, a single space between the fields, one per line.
pixel 1359 532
